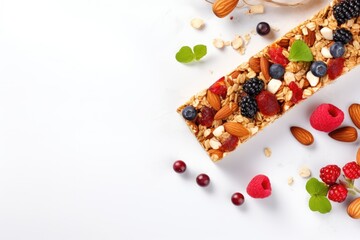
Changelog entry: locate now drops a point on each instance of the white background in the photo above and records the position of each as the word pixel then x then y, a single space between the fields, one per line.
pixel 89 129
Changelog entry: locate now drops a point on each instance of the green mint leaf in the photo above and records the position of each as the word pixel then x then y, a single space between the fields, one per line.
pixel 316 188
pixel 300 52
pixel 185 55
pixel 200 51
pixel 320 204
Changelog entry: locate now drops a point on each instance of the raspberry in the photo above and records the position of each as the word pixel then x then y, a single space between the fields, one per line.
pixel 206 116
pixel 326 117
pixel 267 103
pixel 259 187
pixel 351 170
pixel 342 35
pixel 329 174
pixel 337 193
pixel 276 55
pixel 219 87
pixel 248 107
pixel 253 86
pixel 297 92
pixel 335 67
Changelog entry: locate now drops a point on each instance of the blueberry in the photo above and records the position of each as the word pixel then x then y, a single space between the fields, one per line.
pixel 189 113
pixel 318 68
pixel 263 28
pixel 277 71
pixel 337 49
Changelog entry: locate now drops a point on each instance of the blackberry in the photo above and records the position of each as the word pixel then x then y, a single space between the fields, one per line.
pixel 346 10
pixel 248 106
pixel 342 35
pixel 253 86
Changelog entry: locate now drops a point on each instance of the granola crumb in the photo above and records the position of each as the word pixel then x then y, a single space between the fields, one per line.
pixel 267 152
pixel 304 172
pixel 290 181
pixel 197 23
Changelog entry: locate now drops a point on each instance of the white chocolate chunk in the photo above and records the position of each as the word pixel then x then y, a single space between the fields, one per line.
pixel 327 33
pixel 313 80
pixel 197 23
pixel 218 131
pixel 326 52
pixel 274 85
pixel 214 143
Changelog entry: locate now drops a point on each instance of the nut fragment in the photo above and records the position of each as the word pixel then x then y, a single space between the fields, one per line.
pixel 237 42
pixel 290 181
pixel 197 23
pixel 254 64
pixel 304 172
pixel 218 43
pixel 214 143
pixel 218 131
pixel 256 9
pixel 264 66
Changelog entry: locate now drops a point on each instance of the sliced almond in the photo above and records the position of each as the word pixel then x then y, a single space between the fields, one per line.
pixel 344 134
pixel 354 112
pixel 214 100
pixel 236 129
pixel 302 135
pixel 309 39
pixel 254 64
pixel 264 66
pixel 226 111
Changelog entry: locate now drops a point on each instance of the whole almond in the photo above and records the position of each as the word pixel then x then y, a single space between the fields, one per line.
pixel 302 135
pixel 354 112
pixel 214 100
pixel 226 111
pixel 222 8
pixel 284 42
pixel 354 208
pixel 254 64
pixel 310 38
pixel 236 129
pixel 344 134
pixel 358 156
pixel 265 68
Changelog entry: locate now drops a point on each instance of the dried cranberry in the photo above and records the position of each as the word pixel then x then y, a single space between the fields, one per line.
pixel 297 92
pixel 335 67
pixel 277 56
pixel 267 103
pixel 206 116
pixel 229 144
pixel 219 87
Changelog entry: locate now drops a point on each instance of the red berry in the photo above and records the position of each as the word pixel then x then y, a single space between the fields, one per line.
pixel 179 166
pixel 329 174
pixel 297 92
pixel 351 170
pixel 267 103
pixel 206 116
pixel 276 55
pixel 237 199
pixel 259 187
pixel 229 144
pixel 326 117
pixel 337 193
pixel 219 87
pixel 335 67
pixel 202 180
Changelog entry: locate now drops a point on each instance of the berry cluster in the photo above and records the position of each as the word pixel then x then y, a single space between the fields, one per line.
pixel 338 189
pixel 346 10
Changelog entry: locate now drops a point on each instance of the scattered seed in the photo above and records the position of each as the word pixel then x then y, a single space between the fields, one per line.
pixel 267 152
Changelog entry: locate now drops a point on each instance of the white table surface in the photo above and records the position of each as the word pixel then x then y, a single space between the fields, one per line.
pixel 89 131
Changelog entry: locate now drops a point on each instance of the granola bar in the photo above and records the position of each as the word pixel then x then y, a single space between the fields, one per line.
pixel 221 125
